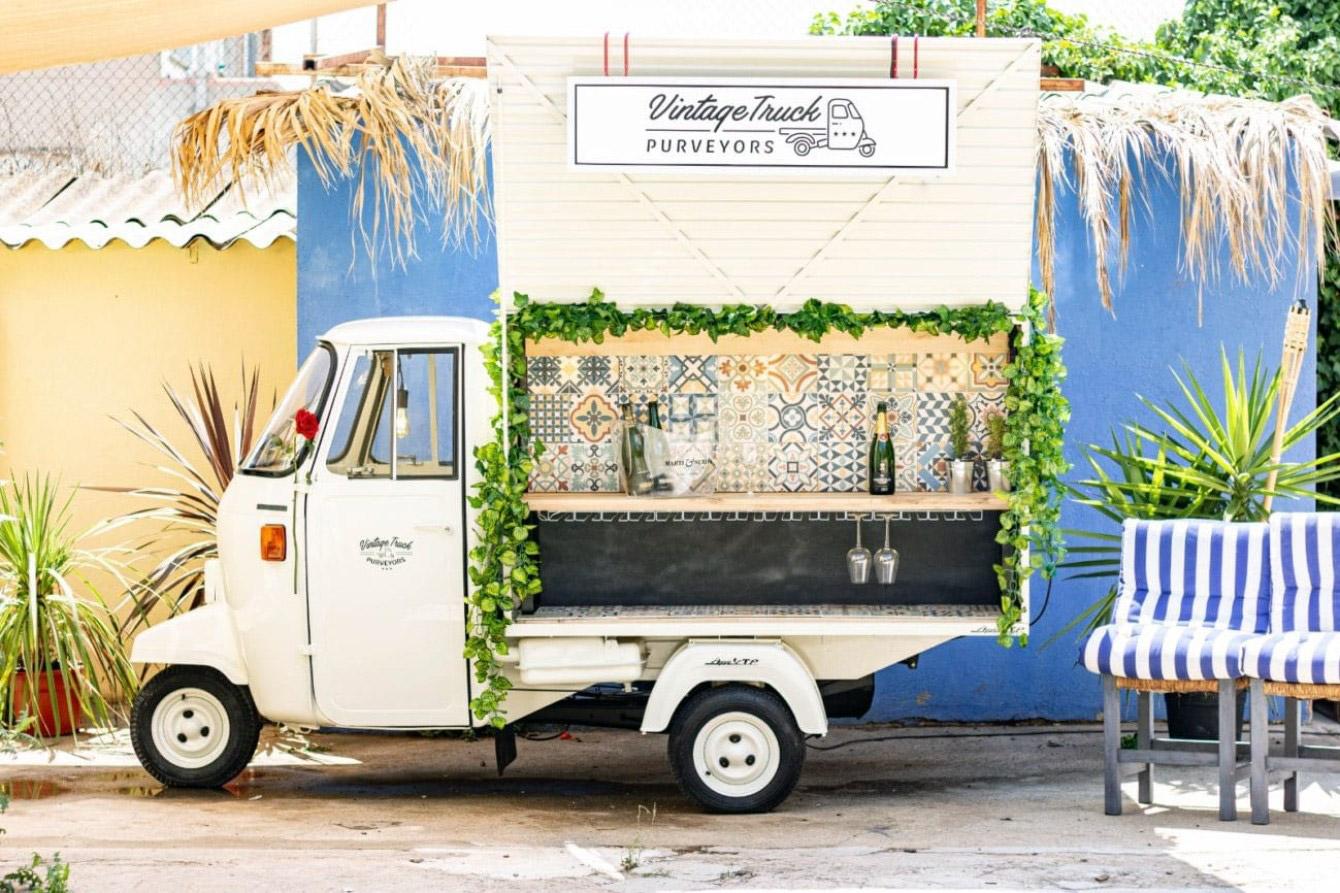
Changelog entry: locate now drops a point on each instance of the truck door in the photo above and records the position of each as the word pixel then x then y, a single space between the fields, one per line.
pixel 844 124
pixel 385 562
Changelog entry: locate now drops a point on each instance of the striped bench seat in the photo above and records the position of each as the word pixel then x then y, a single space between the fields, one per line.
pixel 1297 657
pixel 1166 652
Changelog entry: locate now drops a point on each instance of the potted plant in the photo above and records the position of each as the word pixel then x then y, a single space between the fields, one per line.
pixel 997 468
pixel 1199 459
pixel 62 658
pixel 960 468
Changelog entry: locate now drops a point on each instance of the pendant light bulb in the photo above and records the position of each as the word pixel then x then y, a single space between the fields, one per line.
pixel 401 413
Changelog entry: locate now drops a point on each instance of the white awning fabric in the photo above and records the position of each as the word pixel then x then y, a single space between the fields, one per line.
pixel 43 33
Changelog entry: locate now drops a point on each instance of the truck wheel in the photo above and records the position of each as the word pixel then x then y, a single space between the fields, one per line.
pixel 802 147
pixel 192 728
pixel 866 149
pixel 736 749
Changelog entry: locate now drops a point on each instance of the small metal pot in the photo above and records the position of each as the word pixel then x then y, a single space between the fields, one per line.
pixel 998 475
pixel 960 476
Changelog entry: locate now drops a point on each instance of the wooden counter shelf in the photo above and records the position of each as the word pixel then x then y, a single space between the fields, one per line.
pixel 767 502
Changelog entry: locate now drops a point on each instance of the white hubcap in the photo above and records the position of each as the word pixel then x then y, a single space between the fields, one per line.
pixel 736 754
pixel 190 728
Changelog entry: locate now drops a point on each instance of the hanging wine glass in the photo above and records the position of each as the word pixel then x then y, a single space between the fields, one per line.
pixel 886 560
pixel 858 558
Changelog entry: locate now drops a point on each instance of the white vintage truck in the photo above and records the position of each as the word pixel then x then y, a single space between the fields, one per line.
pixel 727 621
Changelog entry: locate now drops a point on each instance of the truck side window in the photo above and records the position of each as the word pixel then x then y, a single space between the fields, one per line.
pixel 402 401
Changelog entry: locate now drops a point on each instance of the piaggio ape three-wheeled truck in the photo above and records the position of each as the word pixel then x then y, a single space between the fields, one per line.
pixel 727 618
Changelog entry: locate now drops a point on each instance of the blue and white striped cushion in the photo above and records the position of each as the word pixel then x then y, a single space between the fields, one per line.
pixel 1194 572
pixel 1165 651
pixel 1307 657
pixel 1304 595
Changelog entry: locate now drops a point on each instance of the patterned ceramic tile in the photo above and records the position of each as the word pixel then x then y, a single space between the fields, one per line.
pixel 843 373
pixel 693 414
pixel 692 375
pixel 741 374
pixel 982 405
pixel 792 374
pixel 743 467
pixel 542 375
pixel 594 467
pixel 943 371
pixel 793 467
pixel 553 470
pixel 905 465
pixel 933 458
pixel 880 377
pixel 641 374
pixel 793 419
pixel 988 370
pixel 593 417
pixel 742 418
pixel 902 413
pixel 842 467
pixel 641 401
pixel 842 417
pixel 599 372
pixel 549 417
pixel 893 372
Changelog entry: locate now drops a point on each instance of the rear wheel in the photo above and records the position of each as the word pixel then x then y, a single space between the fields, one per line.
pixel 192 728
pixel 802 146
pixel 736 749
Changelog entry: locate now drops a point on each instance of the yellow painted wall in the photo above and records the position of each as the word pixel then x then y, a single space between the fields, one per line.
pixel 87 334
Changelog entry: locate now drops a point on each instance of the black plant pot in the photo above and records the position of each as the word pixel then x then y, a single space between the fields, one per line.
pixel 1196 716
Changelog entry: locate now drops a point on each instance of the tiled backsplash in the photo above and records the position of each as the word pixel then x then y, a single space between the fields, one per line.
pixel 782 422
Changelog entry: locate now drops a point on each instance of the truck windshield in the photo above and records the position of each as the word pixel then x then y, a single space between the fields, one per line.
pixel 280 447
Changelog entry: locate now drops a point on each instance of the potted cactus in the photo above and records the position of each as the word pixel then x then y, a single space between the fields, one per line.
pixel 997 468
pixel 960 469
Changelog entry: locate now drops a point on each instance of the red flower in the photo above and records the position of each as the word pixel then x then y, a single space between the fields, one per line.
pixel 306 423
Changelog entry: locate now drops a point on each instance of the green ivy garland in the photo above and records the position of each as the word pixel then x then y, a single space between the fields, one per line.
pixel 505 564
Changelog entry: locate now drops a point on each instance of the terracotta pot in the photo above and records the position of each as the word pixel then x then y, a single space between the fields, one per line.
pixel 56 715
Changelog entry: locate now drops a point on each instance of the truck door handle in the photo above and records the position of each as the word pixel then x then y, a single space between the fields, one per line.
pixel 433 528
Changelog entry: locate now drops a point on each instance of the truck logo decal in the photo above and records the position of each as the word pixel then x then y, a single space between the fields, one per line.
pixel 386 553
pixel 732 662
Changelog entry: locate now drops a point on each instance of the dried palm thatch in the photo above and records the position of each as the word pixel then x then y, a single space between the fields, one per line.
pixel 412 145
pixel 1238 164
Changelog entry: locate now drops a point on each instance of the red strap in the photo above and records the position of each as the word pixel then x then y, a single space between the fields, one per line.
pixel 916 53
pixel 893 57
pixel 625 54
pixel 607 54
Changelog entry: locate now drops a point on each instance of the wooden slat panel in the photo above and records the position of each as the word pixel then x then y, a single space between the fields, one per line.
pixel 656 239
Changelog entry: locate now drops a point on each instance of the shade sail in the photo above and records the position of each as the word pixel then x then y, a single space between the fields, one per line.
pixel 43 33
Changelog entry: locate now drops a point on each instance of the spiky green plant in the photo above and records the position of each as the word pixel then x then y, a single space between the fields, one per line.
pixel 53 620
pixel 958 427
pixel 1197 459
pixel 190 508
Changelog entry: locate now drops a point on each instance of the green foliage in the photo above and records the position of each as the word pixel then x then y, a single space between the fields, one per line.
pixel 1328 355
pixel 26 879
pixel 995 435
pixel 1195 461
pixel 53 621
pixel 505 565
pixel 958 427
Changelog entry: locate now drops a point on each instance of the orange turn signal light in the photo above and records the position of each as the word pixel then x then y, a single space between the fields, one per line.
pixel 274 542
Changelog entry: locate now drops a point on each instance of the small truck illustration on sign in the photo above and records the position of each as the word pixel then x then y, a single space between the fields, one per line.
pixel 846 130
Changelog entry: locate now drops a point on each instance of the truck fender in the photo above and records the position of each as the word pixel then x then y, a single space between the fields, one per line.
pixel 761 663
pixel 203 637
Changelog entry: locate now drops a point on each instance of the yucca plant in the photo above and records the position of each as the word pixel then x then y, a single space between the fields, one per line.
pixel 191 507
pixel 1197 460
pixel 55 626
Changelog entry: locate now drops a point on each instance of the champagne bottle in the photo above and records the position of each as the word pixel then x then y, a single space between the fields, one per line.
pixel 653 413
pixel 659 482
pixel 881 454
pixel 626 424
pixel 636 472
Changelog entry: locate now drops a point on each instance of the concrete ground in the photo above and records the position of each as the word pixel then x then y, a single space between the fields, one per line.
pixel 963 807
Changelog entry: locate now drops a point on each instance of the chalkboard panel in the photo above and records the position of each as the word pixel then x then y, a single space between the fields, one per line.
pixel 760 559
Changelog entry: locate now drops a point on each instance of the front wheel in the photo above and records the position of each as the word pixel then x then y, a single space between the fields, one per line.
pixel 736 749
pixel 192 728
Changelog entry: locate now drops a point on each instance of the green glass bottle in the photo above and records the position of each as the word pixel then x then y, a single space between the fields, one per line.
pixel 653 413
pixel 633 455
pixel 881 454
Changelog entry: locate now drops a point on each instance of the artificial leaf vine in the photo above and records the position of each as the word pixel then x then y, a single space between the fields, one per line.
pixel 505 563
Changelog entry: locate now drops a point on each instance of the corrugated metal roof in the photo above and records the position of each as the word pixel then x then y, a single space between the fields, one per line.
pixel 56 208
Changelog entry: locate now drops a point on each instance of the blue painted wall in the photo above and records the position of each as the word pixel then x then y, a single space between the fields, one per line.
pixel 1110 359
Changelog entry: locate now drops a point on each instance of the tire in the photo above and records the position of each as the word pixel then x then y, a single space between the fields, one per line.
pixel 192 728
pixel 752 731
pixel 866 149
pixel 802 147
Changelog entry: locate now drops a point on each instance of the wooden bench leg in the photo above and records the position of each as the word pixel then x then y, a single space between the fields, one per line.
pixel 1228 751
pixel 1144 733
pixel 1292 732
pixel 1111 746
pixel 1260 738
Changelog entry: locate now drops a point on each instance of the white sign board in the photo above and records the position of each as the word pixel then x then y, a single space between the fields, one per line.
pixel 801 124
